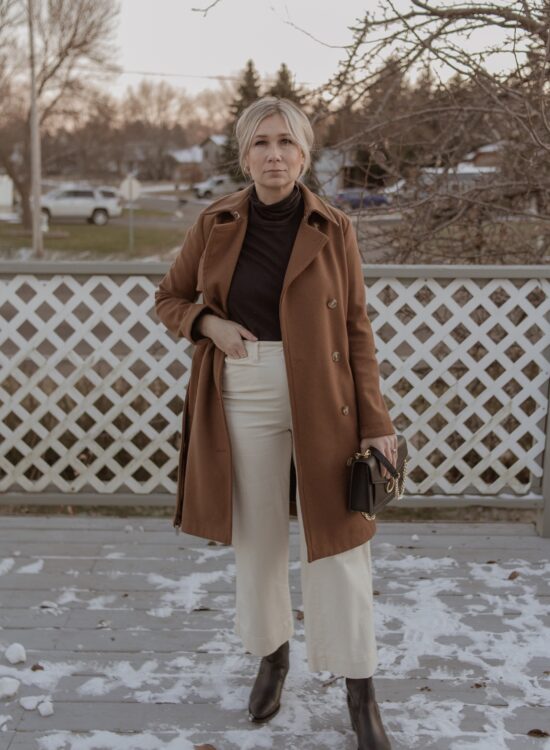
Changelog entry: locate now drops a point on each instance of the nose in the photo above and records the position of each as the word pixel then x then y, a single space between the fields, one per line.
pixel 273 153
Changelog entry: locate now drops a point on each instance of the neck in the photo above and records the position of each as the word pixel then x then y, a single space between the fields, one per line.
pixel 269 196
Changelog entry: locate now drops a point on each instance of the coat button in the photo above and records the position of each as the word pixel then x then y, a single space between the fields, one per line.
pixel 332 303
pixel 335 356
pixel 345 409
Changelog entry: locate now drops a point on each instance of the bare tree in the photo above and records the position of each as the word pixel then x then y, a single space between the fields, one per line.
pixel 488 64
pixel 152 116
pixel 11 16
pixel 73 44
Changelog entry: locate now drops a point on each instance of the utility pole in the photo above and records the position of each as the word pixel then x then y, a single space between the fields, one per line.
pixel 36 176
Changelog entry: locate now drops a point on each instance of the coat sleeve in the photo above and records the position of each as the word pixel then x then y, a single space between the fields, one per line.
pixel 374 418
pixel 176 294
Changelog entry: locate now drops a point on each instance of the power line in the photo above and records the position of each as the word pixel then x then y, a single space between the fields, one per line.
pixel 179 75
pixel 219 77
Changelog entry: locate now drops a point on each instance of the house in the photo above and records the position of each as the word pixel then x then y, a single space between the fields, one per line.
pixel 6 192
pixel 489 155
pixel 212 153
pixel 186 164
pixel 461 176
pixel 333 168
pixel 198 162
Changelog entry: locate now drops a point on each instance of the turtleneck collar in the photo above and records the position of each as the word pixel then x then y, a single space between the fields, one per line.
pixel 280 211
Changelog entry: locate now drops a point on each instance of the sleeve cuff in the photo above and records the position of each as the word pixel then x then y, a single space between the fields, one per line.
pixel 188 328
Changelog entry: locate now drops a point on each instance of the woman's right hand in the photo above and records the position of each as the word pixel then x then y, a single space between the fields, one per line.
pixel 226 334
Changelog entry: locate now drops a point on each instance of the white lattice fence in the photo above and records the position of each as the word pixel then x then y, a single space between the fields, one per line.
pixel 466 370
pixel 92 385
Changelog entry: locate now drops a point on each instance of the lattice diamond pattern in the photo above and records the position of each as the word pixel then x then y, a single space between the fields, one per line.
pixel 92 386
pixel 87 421
pixel 449 417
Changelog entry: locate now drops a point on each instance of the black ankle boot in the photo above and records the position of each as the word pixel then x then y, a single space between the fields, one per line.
pixel 266 693
pixel 365 716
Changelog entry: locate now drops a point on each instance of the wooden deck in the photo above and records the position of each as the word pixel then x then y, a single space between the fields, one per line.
pixel 131 626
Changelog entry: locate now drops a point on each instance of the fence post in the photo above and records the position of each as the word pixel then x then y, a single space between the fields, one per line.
pixel 543 519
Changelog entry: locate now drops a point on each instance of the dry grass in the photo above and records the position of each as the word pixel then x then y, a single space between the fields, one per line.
pixel 110 241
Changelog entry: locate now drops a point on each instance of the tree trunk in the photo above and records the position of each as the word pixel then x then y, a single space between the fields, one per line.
pixel 26 210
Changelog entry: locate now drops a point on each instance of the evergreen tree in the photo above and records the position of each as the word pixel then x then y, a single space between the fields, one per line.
pixel 247 92
pixel 284 87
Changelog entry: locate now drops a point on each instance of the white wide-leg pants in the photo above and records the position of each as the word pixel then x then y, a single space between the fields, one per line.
pixel 336 590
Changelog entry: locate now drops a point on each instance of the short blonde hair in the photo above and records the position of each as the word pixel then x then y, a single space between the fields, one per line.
pixel 297 122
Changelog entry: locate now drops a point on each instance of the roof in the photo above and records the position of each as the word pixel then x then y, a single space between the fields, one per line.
pixel 461 168
pixel 219 139
pixel 191 155
pixel 488 148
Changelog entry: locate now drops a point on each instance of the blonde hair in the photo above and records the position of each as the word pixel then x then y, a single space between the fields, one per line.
pixel 297 122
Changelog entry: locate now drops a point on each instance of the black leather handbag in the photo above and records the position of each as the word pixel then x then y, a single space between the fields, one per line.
pixel 368 491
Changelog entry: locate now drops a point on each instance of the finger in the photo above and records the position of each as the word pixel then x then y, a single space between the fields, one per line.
pixel 247 334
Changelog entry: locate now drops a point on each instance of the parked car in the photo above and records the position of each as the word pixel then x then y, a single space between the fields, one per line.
pixel 95 204
pixel 218 184
pixel 352 198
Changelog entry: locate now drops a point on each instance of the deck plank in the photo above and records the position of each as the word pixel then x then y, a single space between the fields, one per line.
pixel 135 658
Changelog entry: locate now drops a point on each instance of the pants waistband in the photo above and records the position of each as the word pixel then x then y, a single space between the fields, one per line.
pixel 258 349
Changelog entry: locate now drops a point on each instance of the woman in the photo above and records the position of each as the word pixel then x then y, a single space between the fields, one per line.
pixel 284 387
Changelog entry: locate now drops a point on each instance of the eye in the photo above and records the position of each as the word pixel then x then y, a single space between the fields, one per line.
pixel 258 143
pixel 286 140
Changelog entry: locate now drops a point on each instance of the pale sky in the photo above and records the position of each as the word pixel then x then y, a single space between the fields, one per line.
pixel 166 36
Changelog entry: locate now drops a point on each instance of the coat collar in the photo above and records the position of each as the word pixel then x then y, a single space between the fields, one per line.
pixel 237 204
pixel 225 240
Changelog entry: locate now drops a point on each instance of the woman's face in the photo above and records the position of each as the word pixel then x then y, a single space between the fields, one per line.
pixel 274 160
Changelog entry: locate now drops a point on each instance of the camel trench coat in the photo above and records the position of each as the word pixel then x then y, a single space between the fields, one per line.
pixel 330 357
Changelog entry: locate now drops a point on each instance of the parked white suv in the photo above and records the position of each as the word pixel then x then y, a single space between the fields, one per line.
pixel 96 205
pixel 218 184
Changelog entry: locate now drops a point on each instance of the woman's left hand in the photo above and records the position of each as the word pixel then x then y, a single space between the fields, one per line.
pixel 386 444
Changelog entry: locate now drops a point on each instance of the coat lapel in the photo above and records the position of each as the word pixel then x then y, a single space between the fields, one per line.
pixel 309 241
pixel 223 248
pixel 222 253
pixel 226 238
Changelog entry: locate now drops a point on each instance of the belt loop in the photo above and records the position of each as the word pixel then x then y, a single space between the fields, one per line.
pixel 252 349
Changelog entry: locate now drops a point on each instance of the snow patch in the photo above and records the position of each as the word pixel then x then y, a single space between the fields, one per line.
pixel 15 653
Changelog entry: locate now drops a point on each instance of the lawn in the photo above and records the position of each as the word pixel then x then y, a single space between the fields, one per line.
pixel 108 241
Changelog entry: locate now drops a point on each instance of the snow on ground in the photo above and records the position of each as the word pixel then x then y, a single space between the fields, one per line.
pixel 34 567
pixel 15 653
pixel 6 565
pixel 112 741
pixel 429 625
pixel 188 592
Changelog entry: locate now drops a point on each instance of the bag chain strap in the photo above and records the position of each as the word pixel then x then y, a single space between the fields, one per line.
pixel 395 485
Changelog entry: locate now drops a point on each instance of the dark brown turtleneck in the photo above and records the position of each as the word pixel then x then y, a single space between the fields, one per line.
pixel 253 299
